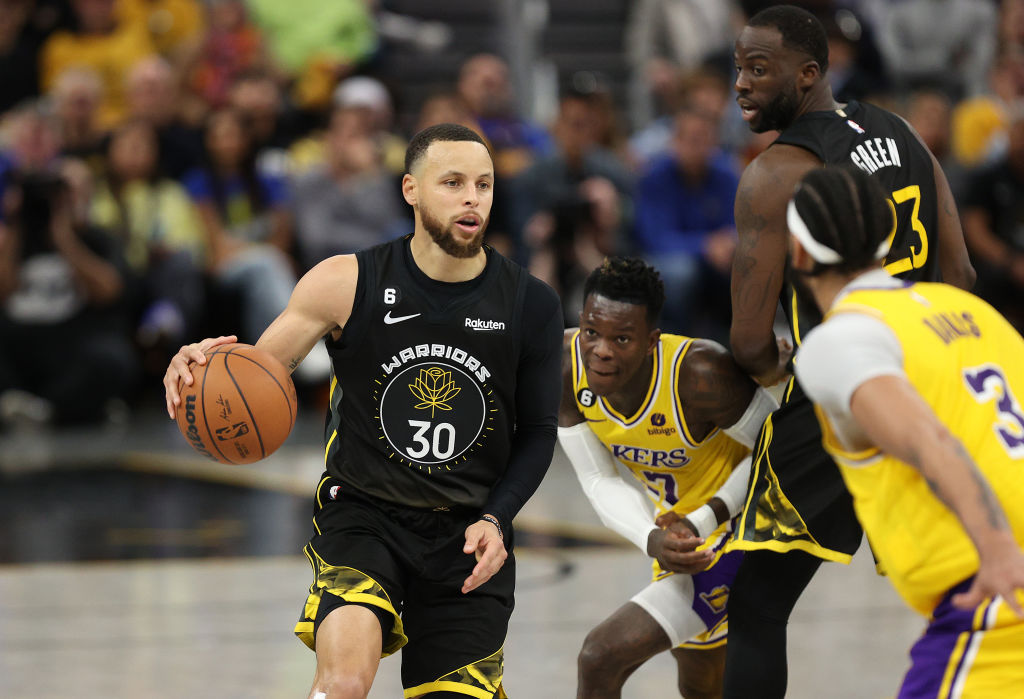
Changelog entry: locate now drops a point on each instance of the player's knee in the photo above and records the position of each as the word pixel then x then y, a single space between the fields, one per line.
pixel 703 686
pixel 340 686
pixel 597 658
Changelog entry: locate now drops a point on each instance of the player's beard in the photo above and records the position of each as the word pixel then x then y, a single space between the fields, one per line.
pixel 779 113
pixel 804 295
pixel 445 237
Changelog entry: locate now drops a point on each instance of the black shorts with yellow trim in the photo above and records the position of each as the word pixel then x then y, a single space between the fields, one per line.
pixel 407 565
pixel 796 499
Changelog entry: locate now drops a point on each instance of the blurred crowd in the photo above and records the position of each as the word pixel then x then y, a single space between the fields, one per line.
pixel 169 168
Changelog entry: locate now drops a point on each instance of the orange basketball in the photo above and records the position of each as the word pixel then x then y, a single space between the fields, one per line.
pixel 241 406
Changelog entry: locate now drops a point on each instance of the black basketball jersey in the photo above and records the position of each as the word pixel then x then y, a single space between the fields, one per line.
pixel 881 144
pixel 424 378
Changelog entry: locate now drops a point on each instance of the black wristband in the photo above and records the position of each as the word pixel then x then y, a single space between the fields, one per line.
pixel 494 521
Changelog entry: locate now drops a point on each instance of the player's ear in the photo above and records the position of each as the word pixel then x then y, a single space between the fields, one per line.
pixel 409 189
pixel 798 257
pixel 652 340
pixel 810 73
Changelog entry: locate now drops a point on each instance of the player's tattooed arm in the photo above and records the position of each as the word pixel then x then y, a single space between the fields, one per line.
pixel 759 264
pixel 568 412
pixel 896 419
pixel 713 390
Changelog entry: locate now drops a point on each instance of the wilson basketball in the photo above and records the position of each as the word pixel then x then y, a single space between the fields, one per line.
pixel 240 407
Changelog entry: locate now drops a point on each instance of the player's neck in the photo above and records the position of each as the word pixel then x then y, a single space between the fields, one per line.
pixel 819 99
pixel 439 265
pixel 629 399
pixel 826 287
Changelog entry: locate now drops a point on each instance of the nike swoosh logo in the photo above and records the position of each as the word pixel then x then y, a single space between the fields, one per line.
pixel 391 320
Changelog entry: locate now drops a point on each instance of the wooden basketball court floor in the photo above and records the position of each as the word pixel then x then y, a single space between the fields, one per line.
pixel 130 568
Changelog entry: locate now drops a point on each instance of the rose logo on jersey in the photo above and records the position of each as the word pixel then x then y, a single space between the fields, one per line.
pixel 434 388
pixel 432 412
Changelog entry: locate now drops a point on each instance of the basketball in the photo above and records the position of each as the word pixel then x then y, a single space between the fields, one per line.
pixel 240 407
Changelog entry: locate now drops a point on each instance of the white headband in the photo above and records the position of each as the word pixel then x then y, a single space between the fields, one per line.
pixel 818 251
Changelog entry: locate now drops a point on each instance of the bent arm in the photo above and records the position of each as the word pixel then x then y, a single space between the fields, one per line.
pixel 954 261
pixel 758 266
pixel 321 303
pixel 621 507
pixel 898 421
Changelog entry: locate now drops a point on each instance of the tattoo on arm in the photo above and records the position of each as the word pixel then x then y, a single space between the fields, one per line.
pixel 714 391
pixel 294 363
pixel 989 502
pixel 987 499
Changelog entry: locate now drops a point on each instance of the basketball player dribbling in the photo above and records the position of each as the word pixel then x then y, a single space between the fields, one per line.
pixel 443 412
pixel 798 511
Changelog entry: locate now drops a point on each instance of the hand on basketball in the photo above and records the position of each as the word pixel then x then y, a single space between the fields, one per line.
pixel 675 548
pixel 1001 575
pixel 178 370
pixel 483 539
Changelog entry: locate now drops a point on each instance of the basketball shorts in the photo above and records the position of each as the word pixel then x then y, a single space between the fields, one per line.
pixel 407 566
pixel 974 654
pixel 692 608
pixel 796 499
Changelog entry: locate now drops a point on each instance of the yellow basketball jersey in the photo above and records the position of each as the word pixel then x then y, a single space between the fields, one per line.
pixel 967 363
pixel 678 472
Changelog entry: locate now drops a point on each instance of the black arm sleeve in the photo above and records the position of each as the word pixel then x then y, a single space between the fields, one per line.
pixel 538 392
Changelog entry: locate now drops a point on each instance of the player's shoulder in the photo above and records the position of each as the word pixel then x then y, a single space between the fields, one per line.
pixel 540 297
pixel 705 356
pixel 778 167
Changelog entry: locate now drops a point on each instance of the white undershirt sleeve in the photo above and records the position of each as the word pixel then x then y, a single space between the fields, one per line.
pixel 620 506
pixel 838 356
pixel 747 428
pixel 842 353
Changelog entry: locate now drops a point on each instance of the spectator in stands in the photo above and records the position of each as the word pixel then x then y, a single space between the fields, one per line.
pixel 103 41
pixel 446 108
pixel 980 123
pixel 245 219
pixel 349 202
pixel 154 96
pixel 516 143
pixel 369 97
pixel 161 235
pixel 930 113
pixel 667 39
pixel 176 27
pixel 685 226
pixel 76 97
pixel 941 43
pixel 232 47
pixel 24 26
pixel 318 42
pixel 703 89
pixel 993 218
pixel 64 347
pixel 554 182
pixel 273 127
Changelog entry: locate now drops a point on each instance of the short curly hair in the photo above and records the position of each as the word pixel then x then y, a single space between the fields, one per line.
pixel 438 132
pixel 800 30
pixel 629 280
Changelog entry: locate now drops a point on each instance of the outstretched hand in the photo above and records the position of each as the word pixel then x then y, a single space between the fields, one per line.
pixel 483 539
pixel 1001 575
pixel 178 370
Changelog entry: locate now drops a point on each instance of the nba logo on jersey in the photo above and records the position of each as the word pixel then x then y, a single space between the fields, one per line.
pixel 334 491
pixel 855 126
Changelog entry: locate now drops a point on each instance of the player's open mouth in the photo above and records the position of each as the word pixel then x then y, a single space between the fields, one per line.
pixel 748 109
pixel 470 224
